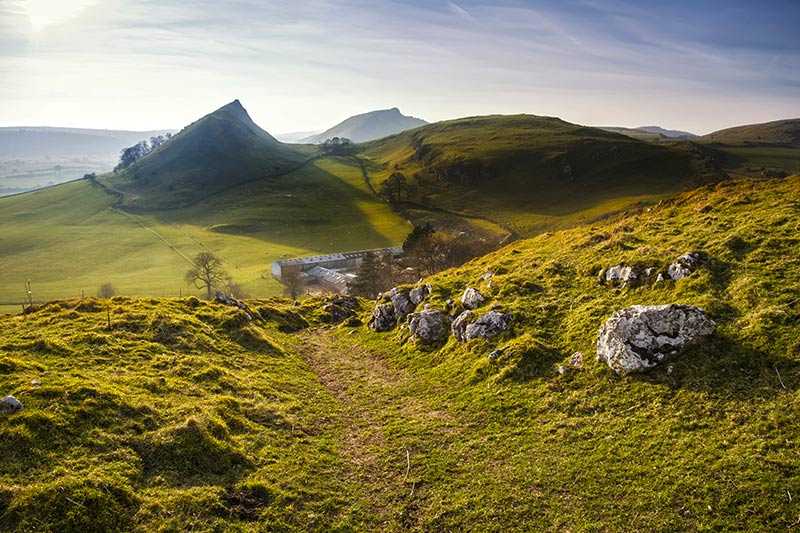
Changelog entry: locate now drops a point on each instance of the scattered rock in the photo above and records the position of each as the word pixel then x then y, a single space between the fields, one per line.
pixel 487 326
pixel 472 298
pixel 431 326
pixel 9 404
pixel 459 327
pixel 418 294
pixel 487 275
pixel 620 276
pixel 221 297
pixel 383 318
pixel 340 308
pixel 495 355
pixel 36 382
pixel 640 337
pixel 685 265
pixel 402 303
pixel 576 360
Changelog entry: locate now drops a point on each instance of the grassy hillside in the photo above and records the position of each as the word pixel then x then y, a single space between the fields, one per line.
pixel 369 126
pixel 185 415
pixel 71 238
pixel 221 150
pixel 779 132
pixel 534 173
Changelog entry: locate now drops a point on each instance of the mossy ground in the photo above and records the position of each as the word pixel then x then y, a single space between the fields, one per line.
pixel 184 415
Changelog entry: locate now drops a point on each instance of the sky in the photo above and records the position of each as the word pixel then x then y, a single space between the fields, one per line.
pixel 305 65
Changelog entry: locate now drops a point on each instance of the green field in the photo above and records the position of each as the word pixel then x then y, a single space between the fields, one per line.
pixel 70 239
pixel 184 414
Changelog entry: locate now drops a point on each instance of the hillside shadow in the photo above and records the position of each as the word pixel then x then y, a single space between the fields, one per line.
pixel 729 370
pixel 310 208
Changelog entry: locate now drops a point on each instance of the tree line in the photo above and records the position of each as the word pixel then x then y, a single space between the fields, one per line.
pixel 132 154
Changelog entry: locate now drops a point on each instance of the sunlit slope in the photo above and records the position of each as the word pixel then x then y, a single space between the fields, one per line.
pixel 533 173
pixel 71 238
pixel 219 151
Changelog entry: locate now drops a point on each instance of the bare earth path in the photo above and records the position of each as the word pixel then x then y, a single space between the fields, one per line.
pixel 391 435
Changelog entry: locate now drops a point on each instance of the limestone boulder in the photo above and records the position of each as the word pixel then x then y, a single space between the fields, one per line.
pixel 472 298
pixel 430 326
pixel 487 326
pixel 640 337
pixel 383 317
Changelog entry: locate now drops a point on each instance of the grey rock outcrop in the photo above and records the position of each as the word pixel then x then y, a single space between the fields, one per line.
pixel 9 404
pixel 383 318
pixel 340 308
pixel 459 327
pixel 431 326
pixel 472 298
pixel 402 303
pixel 640 337
pixel 418 294
pixel 487 326
pixel 685 265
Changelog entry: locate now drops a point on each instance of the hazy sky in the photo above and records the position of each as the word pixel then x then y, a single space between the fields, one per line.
pixel 304 65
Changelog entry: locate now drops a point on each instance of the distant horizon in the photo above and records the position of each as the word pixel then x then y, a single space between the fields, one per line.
pixel 132 65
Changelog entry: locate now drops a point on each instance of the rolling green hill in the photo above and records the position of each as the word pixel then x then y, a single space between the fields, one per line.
pixel 221 150
pixel 182 414
pixel 532 173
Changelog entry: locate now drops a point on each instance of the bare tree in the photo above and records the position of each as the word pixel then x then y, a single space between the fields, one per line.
pixel 206 273
pixel 295 284
pixel 106 290
pixel 233 289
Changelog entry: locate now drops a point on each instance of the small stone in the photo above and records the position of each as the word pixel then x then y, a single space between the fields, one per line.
pixel 576 360
pixel 418 294
pixel 9 404
pixel 621 276
pixel 495 355
pixel 685 265
pixel 561 369
pixel 35 382
pixel 472 298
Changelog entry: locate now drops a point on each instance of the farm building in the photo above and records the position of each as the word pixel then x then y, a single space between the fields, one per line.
pixel 330 272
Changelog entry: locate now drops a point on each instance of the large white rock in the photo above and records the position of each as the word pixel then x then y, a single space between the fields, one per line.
pixel 640 337
pixel 472 298
pixel 431 326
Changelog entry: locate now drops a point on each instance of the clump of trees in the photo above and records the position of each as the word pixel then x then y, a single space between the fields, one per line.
pixel 431 251
pixel 132 154
pixel 338 146
pixel 106 290
pixel 375 275
pixel 396 188
pixel 208 273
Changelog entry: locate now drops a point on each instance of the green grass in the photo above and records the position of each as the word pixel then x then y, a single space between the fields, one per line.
pixel 184 415
pixel 69 238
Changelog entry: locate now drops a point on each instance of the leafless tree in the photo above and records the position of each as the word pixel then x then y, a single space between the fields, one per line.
pixel 106 290
pixel 206 273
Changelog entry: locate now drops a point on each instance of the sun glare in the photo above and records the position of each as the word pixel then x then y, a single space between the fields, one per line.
pixel 43 13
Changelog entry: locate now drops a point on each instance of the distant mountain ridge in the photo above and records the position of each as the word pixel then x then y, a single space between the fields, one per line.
pixel 651 133
pixel 26 142
pixel 369 126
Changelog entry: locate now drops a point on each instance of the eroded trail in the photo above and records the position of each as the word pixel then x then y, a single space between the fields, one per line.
pixel 391 436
